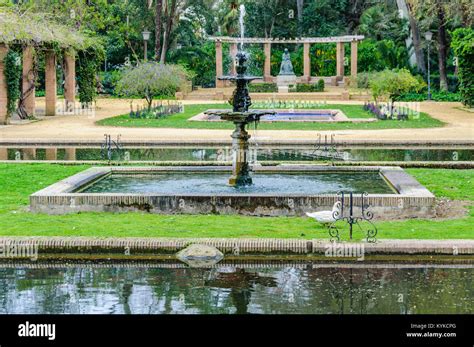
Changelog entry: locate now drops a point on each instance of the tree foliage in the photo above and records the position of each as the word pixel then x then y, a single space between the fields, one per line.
pixel 393 83
pixel 12 74
pixel 151 79
pixel 463 45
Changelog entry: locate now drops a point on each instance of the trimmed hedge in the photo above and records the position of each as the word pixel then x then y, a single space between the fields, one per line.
pixel 435 96
pixel 310 87
pixel 263 88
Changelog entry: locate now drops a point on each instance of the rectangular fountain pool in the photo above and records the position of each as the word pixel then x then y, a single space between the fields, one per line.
pixel 290 190
pixel 216 183
pixel 289 115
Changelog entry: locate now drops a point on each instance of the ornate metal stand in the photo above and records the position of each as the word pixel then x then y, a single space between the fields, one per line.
pixel 328 148
pixel 110 146
pixel 347 215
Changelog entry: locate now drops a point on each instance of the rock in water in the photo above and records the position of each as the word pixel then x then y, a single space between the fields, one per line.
pixel 197 255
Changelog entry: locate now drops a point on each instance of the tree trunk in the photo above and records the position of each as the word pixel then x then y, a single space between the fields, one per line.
pixel 159 10
pixel 419 54
pixel 414 35
pixel 442 50
pixel 169 25
pixel 299 15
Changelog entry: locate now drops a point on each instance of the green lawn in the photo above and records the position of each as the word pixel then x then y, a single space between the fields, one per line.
pixel 18 181
pixel 352 111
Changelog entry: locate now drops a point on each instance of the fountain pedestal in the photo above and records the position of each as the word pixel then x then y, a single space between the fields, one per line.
pixel 240 116
pixel 240 146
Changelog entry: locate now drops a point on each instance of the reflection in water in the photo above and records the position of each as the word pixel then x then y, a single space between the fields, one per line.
pixel 226 289
pixel 241 284
pixel 284 153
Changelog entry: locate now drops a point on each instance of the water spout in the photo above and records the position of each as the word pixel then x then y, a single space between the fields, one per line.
pixel 242 30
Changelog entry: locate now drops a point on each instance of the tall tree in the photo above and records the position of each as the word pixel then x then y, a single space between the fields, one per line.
pixel 158 14
pixel 299 15
pixel 441 14
pixel 407 9
pixel 442 49
pixel 170 16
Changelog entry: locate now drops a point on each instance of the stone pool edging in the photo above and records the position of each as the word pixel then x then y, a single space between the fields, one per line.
pixel 412 199
pixel 337 116
pixel 407 164
pixel 236 246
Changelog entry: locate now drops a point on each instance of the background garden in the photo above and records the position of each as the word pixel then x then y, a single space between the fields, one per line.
pixel 179 29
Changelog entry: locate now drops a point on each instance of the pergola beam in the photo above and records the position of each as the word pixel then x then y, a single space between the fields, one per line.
pixel 331 39
pixel 306 41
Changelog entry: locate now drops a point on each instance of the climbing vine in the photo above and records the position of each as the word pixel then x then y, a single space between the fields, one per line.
pixel 87 67
pixel 463 45
pixel 12 74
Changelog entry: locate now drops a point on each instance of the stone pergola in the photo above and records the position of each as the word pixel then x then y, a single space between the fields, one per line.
pixel 307 41
pixel 34 34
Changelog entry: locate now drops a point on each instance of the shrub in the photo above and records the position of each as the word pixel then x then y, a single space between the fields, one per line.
pixel 310 87
pixel 453 82
pixel 394 83
pixel 321 85
pixel 151 79
pixel 463 45
pixel 361 80
pixel 108 81
pixel 263 88
pixel 435 96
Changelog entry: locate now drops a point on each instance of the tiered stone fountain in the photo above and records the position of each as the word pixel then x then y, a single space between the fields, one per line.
pixel 241 117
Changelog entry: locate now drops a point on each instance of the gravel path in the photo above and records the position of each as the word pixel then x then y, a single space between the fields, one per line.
pixel 460 127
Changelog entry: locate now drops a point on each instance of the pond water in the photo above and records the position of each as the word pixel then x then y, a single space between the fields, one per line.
pixel 262 153
pixel 217 183
pixel 307 288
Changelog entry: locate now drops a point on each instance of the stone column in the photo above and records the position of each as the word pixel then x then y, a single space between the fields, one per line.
pixel 233 53
pixel 3 153
pixel 219 70
pixel 29 153
pixel 354 58
pixel 28 80
pixel 51 153
pixel 3 86
pixel 340 60
pixel 70 154
pixel 306 63
pixel 267 68
pixel 50 81
pixel 69 80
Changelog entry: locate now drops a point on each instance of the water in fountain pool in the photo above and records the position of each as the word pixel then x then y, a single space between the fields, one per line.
pixel 217 183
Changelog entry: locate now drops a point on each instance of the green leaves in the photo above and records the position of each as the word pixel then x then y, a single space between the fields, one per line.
pixel 12 74
pixel 150 79
pixel 463 45
pixel 393 83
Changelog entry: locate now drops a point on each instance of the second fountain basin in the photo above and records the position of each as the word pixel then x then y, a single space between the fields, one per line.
pixel 278 190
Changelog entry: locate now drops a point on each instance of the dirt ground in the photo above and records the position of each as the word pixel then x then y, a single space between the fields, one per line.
pixel 459 127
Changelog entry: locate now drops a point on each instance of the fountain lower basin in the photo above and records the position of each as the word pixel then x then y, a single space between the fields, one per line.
pixel 287 115
pixel 278 191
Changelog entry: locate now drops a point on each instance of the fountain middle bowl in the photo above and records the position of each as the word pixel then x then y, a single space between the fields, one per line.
pixel 240 117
